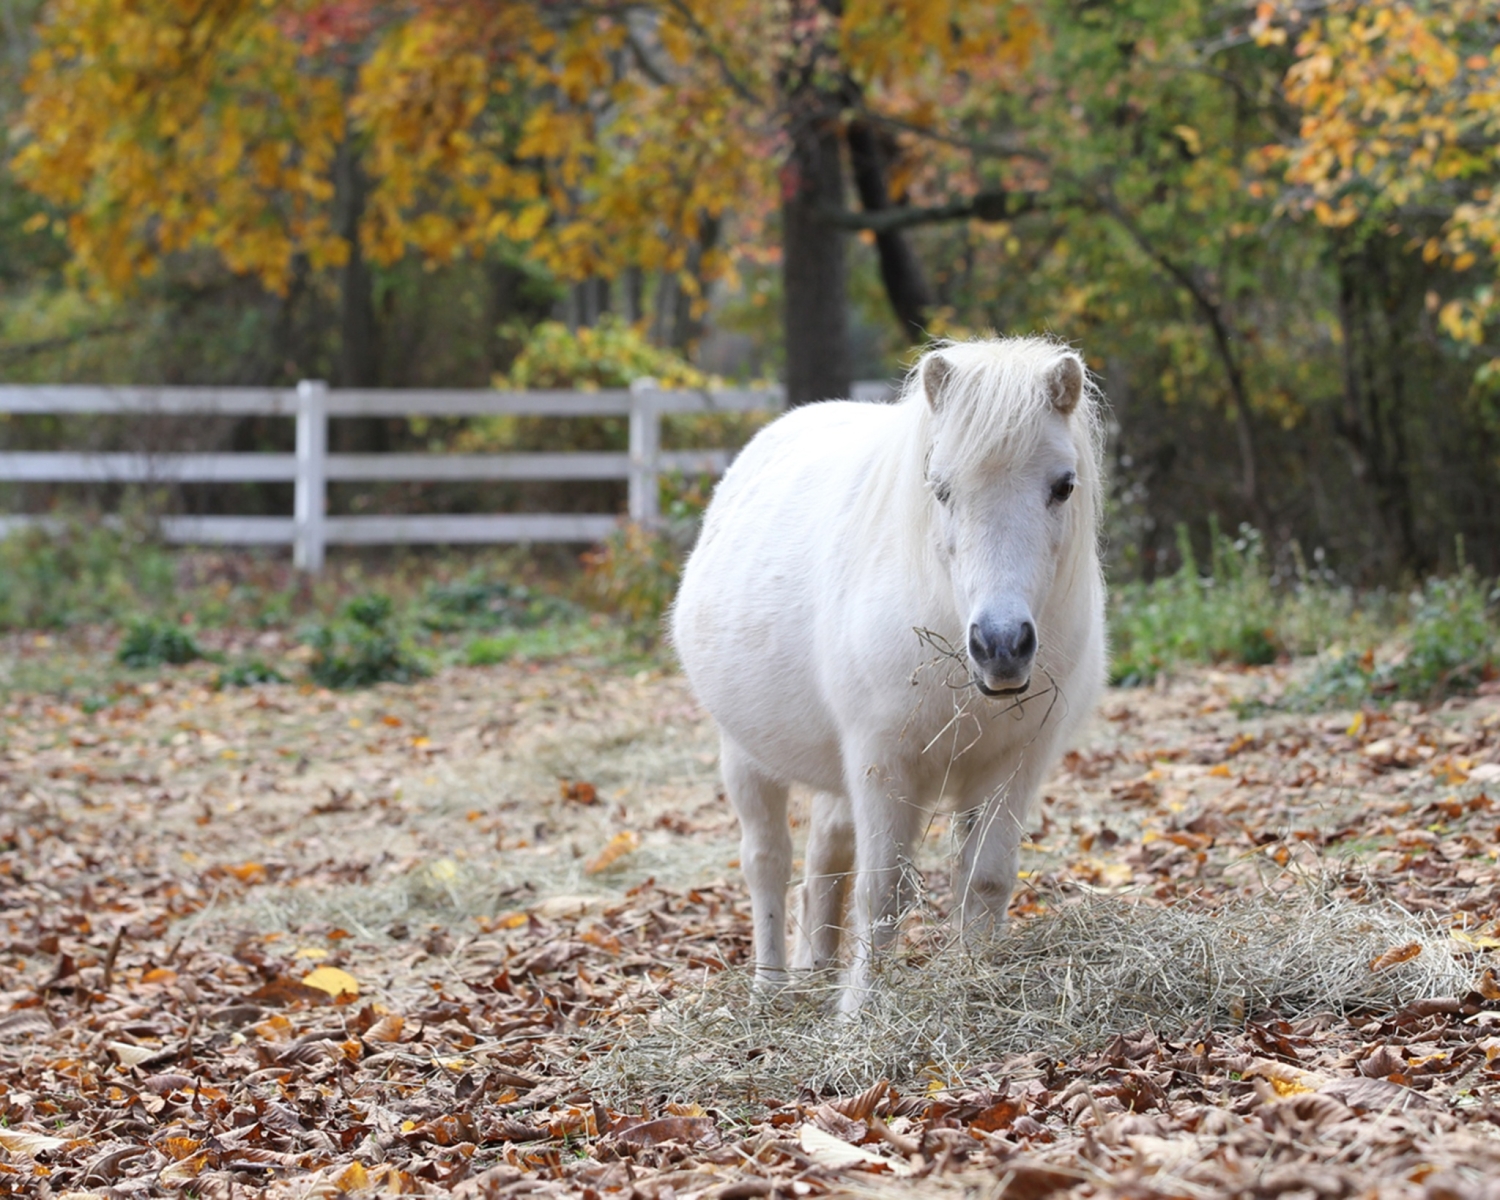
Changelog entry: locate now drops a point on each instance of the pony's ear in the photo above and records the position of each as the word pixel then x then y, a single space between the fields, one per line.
pixel 935 373
pixel 1065 384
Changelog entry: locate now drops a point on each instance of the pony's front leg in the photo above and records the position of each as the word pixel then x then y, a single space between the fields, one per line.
pixel 887 824
pixel 765 856
pixel 990 860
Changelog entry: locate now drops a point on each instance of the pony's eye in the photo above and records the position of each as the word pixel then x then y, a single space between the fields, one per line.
pixel 1063 488
pixel 943 492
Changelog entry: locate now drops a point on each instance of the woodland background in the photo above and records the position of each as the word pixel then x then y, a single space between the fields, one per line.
pixel 1271 227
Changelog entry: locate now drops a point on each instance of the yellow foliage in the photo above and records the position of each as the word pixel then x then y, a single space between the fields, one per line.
pixel 163 126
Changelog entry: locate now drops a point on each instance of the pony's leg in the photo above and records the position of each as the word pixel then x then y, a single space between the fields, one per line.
pixel 765 856
pixel 990 860
pixel 825 892
pixel 888 820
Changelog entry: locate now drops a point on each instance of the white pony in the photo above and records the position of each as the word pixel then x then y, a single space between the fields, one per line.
pixel 898 604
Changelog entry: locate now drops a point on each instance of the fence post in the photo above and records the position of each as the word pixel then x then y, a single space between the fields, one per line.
pixel 311 501
pixel 645 450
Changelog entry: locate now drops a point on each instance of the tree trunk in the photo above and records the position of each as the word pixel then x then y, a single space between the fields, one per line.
pixel 905 283
pixel 687 325
pixel 358 362
pixel 814 275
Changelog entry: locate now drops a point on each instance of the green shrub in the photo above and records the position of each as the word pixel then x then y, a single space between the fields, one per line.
pixel 635 572
pixel 151 642
pixel 363 646
pixel 1451 643
pixel 248 673
pixel 77 571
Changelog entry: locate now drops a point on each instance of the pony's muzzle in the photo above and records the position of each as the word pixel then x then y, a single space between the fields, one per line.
pixel 1002 653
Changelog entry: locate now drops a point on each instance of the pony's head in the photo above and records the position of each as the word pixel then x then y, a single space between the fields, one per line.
pixel 1012 479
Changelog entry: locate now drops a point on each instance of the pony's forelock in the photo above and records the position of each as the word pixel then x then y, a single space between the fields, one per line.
pixel 993 404
pixel 994 400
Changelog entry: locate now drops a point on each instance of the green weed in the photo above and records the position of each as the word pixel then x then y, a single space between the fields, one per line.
pixel 364 645
pixel 153 642
pixel 248 673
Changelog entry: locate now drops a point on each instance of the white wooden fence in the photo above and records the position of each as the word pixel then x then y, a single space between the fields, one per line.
pixel 310 529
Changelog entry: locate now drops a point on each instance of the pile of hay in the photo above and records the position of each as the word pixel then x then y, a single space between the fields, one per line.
pixel 1063 982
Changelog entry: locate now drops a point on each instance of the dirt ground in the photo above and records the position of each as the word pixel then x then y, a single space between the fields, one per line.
pixel 288 942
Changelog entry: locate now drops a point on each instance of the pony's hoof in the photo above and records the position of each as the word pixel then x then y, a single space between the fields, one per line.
pixel 768 983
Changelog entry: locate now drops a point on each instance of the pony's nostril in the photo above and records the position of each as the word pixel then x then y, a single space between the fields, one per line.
pixel 1026 642
pixel 981 649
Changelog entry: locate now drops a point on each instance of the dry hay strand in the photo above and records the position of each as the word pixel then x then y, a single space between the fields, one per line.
pixel 1064 982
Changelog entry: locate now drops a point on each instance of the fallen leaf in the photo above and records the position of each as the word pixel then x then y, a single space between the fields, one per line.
pixel 688 1130
pixel 1395 955
pixel 131 1055
pixel 1286 1079
pixel 387 1029
pixel 829 1151
pixel 577 791
pixel 332 980
pixel 29 1145
pixel 623 843
pixel 997 1116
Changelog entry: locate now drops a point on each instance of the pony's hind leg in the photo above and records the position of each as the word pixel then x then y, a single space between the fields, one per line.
pixel 765 855
pixel 830 861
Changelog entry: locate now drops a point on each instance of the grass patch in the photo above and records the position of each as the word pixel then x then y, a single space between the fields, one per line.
pixel 1064 982
pixel 1236 611
pixel 480 602
pixel 152 642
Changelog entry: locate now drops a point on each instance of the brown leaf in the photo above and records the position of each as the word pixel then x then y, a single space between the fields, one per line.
pixel 688 1130
pixel 1386 1061
pixel 387 1029
pixel 167 1082
pixel 997 1116
pixel 859 1107
pixel 1395 955
pixel 830 1120
pixel 288 993
pixel 24 1023
pixel 1020 1180
pixel 576 791
pixel 1374 1095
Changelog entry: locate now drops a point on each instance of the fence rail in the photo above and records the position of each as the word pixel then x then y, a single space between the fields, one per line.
pixel 310 529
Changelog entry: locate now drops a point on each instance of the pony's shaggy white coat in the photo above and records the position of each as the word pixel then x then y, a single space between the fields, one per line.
pixel 824 617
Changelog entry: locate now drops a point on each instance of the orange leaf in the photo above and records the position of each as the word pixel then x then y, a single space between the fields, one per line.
pixel 619 846
pixel 1395 955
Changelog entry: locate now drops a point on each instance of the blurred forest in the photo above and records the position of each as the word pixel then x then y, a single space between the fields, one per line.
pixel 1271 227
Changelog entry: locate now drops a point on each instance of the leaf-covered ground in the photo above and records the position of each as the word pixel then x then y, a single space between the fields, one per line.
pixel 287 942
